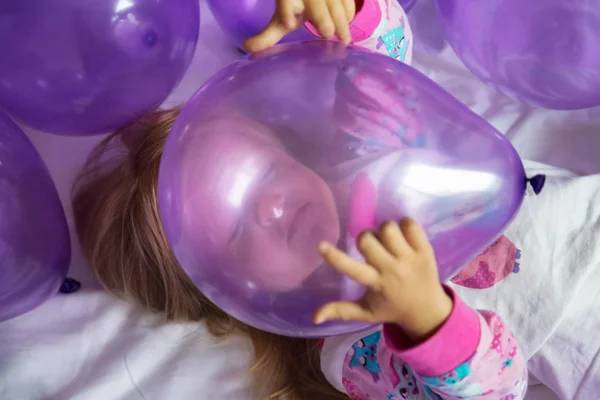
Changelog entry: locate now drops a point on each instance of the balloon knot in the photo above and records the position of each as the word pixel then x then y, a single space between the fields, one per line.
pixel 537 183
pixel 69 285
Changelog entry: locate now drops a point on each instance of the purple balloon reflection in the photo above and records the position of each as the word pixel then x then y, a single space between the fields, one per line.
pixel 79 68
pixel 541 52
pixel 247 18
pixel 318 141
pixel 35 249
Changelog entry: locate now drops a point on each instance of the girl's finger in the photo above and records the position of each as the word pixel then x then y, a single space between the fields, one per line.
pixel 343 311
pixel 350 9
pixel 414 235
pixel 346 265
pixel 374 252
pixel 334 50
pixel 289 13
pixel 393 240
pixel 269 37
pixel 288 16
pixel 318 14
pixel 340 20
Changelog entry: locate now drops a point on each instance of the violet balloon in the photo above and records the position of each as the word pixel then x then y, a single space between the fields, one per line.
pixel 541 52
pixel 86 67
pixel 407 4
pixel 35 249
pixel 247 18
pixel 318 141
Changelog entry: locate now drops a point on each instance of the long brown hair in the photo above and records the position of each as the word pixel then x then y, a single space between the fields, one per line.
pixel 118 225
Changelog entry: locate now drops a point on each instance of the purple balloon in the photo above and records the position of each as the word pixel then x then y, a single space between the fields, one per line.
pixel 35 249
pixel 540 52
pixel 86 67
pixel 318 141
pixel 407 4
pixel 247 18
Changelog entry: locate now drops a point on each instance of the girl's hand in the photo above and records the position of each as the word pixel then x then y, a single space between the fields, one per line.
pixel 330 17
pixel 401 277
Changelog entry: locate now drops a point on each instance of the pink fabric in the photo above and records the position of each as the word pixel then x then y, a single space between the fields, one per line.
pixel 491 266
pixel 452 345
pixel 372 114
pixel 379 365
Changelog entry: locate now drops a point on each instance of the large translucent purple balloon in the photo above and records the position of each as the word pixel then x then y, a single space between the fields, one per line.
pixel 541 52
pixel 85 67
pixel 35 250
pixel 317 141
pixel 247 18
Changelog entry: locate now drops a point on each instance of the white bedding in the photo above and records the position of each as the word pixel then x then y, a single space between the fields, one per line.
pixel 90 346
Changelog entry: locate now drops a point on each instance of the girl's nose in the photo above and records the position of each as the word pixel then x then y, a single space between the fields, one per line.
pixel 269 208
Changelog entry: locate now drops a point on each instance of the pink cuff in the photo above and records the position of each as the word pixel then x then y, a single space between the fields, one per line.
pixel 452 345
pixel 363 25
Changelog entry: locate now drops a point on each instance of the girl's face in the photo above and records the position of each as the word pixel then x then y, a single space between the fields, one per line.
pixel 261 209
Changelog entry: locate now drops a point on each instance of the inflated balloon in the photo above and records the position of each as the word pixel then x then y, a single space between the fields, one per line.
pixel 541 52
pixel 318 141
pixel 247 18
pixel 86 67
pixel 35 249
pixel 407 4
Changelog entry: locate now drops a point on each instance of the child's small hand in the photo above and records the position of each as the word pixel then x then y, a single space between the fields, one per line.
pixel 401 277
pixel 330 17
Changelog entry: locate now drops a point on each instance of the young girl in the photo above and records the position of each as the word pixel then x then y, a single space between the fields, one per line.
pixel 431 345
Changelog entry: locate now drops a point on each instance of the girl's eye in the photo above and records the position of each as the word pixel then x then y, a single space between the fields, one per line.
pixel 237 232
pixel 269 172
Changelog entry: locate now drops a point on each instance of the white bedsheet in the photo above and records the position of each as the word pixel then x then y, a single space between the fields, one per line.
pixel 88 346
